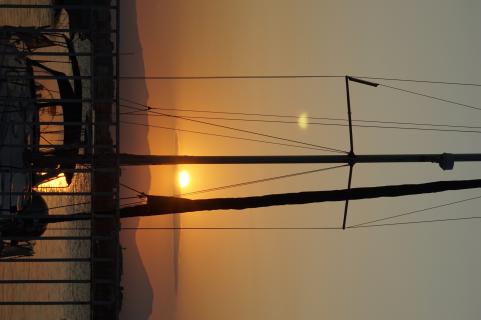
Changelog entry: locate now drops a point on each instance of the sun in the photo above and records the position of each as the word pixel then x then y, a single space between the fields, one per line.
pixel 303 121
pixel 183 178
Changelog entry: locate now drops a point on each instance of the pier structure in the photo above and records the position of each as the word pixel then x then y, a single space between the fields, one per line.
pixel 59 98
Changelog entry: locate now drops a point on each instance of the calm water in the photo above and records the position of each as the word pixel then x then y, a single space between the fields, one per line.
pixel 51 249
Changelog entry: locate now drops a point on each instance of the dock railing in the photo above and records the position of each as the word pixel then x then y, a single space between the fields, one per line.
pixel 60 91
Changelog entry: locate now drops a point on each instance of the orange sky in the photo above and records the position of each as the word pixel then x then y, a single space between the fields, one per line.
pixel 310 274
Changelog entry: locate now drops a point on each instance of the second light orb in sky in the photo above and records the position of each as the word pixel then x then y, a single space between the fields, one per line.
pixel 303 121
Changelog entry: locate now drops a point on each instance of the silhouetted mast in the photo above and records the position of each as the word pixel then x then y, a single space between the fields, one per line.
pixel 157 205
pixel 445 160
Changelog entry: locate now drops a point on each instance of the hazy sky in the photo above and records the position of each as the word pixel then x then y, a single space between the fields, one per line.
pixel 422 271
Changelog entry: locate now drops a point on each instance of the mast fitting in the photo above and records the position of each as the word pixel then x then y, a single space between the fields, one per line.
pixel 446 161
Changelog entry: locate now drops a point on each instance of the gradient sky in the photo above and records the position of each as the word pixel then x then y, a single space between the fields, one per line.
pixel 424 271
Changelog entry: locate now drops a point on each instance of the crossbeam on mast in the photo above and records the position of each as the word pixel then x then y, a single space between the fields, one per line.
pixel 445 160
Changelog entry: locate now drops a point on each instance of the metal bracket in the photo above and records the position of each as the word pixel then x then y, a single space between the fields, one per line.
pixel 346 205
pixel 446 161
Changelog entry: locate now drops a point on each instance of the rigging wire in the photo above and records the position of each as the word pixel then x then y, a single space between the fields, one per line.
pixel 76 204
pixel 204 228
pixel 230 228
pixel 283 228
pixel 261 180
pixel 434 127
pixel 46 140
pixel 227 77
pixel 140 193
pixel 245 131
pixel 293 116
pixel 415 211
pixel 472 84
pixel 430 97
pixel 328 149
pixel 386 86
pixel 418 222
pixel 361 225
pixel 219 135
pixel 70 205
pixel 143 194
pixel 453 127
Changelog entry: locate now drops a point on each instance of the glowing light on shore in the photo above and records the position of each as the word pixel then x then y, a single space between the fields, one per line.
pixel 303 121
pixel 183 179
pixel 57 182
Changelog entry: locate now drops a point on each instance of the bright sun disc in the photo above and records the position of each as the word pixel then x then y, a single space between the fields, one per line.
pixel 303 120
pixel 184 179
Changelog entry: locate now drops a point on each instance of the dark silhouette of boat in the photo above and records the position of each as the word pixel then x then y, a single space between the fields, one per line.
pixel 70 99
pixel 26 221
pixel 23 229
pixel 71 104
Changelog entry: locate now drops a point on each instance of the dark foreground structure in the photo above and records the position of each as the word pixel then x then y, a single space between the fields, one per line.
pixel 89 103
